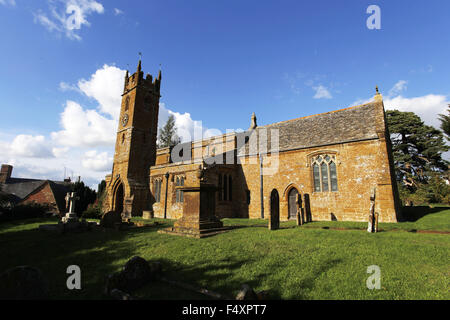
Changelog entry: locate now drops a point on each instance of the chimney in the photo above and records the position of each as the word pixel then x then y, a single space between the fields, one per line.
pixel 5 173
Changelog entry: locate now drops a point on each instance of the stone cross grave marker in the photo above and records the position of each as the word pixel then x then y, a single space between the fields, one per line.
pixel 70 216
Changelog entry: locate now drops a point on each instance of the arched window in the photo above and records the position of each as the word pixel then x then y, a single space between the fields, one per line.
pixel 127 103
pixel 157 190
pixel 220 187
pixel 230 188
pixel 324 173
pixel 179 193
pixel 225 187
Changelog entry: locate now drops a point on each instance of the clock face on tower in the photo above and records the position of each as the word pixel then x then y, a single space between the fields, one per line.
pixel 124 120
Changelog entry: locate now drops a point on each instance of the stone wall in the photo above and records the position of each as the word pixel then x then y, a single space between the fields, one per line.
pixel 361 166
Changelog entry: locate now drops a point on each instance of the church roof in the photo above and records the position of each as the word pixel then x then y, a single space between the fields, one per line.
pixel 345 125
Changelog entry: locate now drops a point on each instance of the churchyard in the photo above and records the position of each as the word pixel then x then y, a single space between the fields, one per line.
pixel 319 260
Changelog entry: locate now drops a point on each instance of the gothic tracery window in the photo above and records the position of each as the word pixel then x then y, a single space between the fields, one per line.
pixel 157 189
pixel 225 187
pixel 324 173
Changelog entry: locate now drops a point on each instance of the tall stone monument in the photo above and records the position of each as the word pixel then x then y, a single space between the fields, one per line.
pixel 199 219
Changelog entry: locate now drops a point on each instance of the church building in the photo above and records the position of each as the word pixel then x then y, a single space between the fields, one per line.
pixel 328 164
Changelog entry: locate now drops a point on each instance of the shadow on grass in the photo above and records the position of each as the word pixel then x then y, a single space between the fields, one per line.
pixel 309 282
pixel 216 277
pixel 412 214
pixel 102 252
pixel 97 253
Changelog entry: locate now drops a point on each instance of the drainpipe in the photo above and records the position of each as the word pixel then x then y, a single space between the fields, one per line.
pixel 261 184
pixel 165 201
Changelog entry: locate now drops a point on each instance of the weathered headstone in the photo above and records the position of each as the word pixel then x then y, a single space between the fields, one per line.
pixel 300 218
pixel 120 295
pixel 135 274
pixel 371 223
pixel 111 219
pixel 246 293
pixel 23 283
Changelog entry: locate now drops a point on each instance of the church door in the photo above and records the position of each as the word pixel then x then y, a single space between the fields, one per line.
pixel 118 199
pixel 293 203
pixel 274 222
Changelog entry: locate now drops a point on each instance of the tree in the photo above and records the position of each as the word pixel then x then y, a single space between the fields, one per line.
pixel 445 123
pixel 417 150
pixel 101 187
pixel 87 196
pixel 168 134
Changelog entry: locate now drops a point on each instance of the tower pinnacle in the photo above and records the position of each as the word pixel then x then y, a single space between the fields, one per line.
pixel 253 124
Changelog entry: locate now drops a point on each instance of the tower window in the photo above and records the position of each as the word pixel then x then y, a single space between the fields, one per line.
pixel 127 103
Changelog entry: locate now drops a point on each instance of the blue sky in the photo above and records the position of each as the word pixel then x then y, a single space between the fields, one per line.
pixel 63 63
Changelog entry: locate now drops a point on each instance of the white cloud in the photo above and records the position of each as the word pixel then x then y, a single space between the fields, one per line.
pixel 187 129
pixel 68 16
pixel 85 142
pixel 322 93
pixel 30 146
pixel 60 152
pixel 398 88
pixel 97 161
pixel 105 86
pixel 117 12
pixel 426 107
pixel 8 2
pixel 84 128
pixel 63 86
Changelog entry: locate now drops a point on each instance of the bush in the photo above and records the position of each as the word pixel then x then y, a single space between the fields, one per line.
pixel 92 212
pixel 24 211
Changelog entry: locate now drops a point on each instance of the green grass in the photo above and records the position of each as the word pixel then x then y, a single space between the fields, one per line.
pixel 291 263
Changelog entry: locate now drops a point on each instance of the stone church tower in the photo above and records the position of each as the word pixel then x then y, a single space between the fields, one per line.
pixel 135 151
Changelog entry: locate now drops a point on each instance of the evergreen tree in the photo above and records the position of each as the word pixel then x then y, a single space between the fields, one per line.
pixel 101 187
pixel 168 134
pixel 417 148
pixel 445 123
pixel 87 196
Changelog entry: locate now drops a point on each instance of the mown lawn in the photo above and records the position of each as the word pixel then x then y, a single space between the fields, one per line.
pixel 305 262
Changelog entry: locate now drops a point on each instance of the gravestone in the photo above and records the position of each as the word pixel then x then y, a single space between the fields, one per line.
pixel 300 215
pixel 70 222
pixel 373 218
pixel 23 283
pixel 71 216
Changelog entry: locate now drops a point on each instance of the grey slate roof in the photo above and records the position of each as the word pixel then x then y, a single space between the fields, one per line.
pixel 346 125
pixel 20 188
